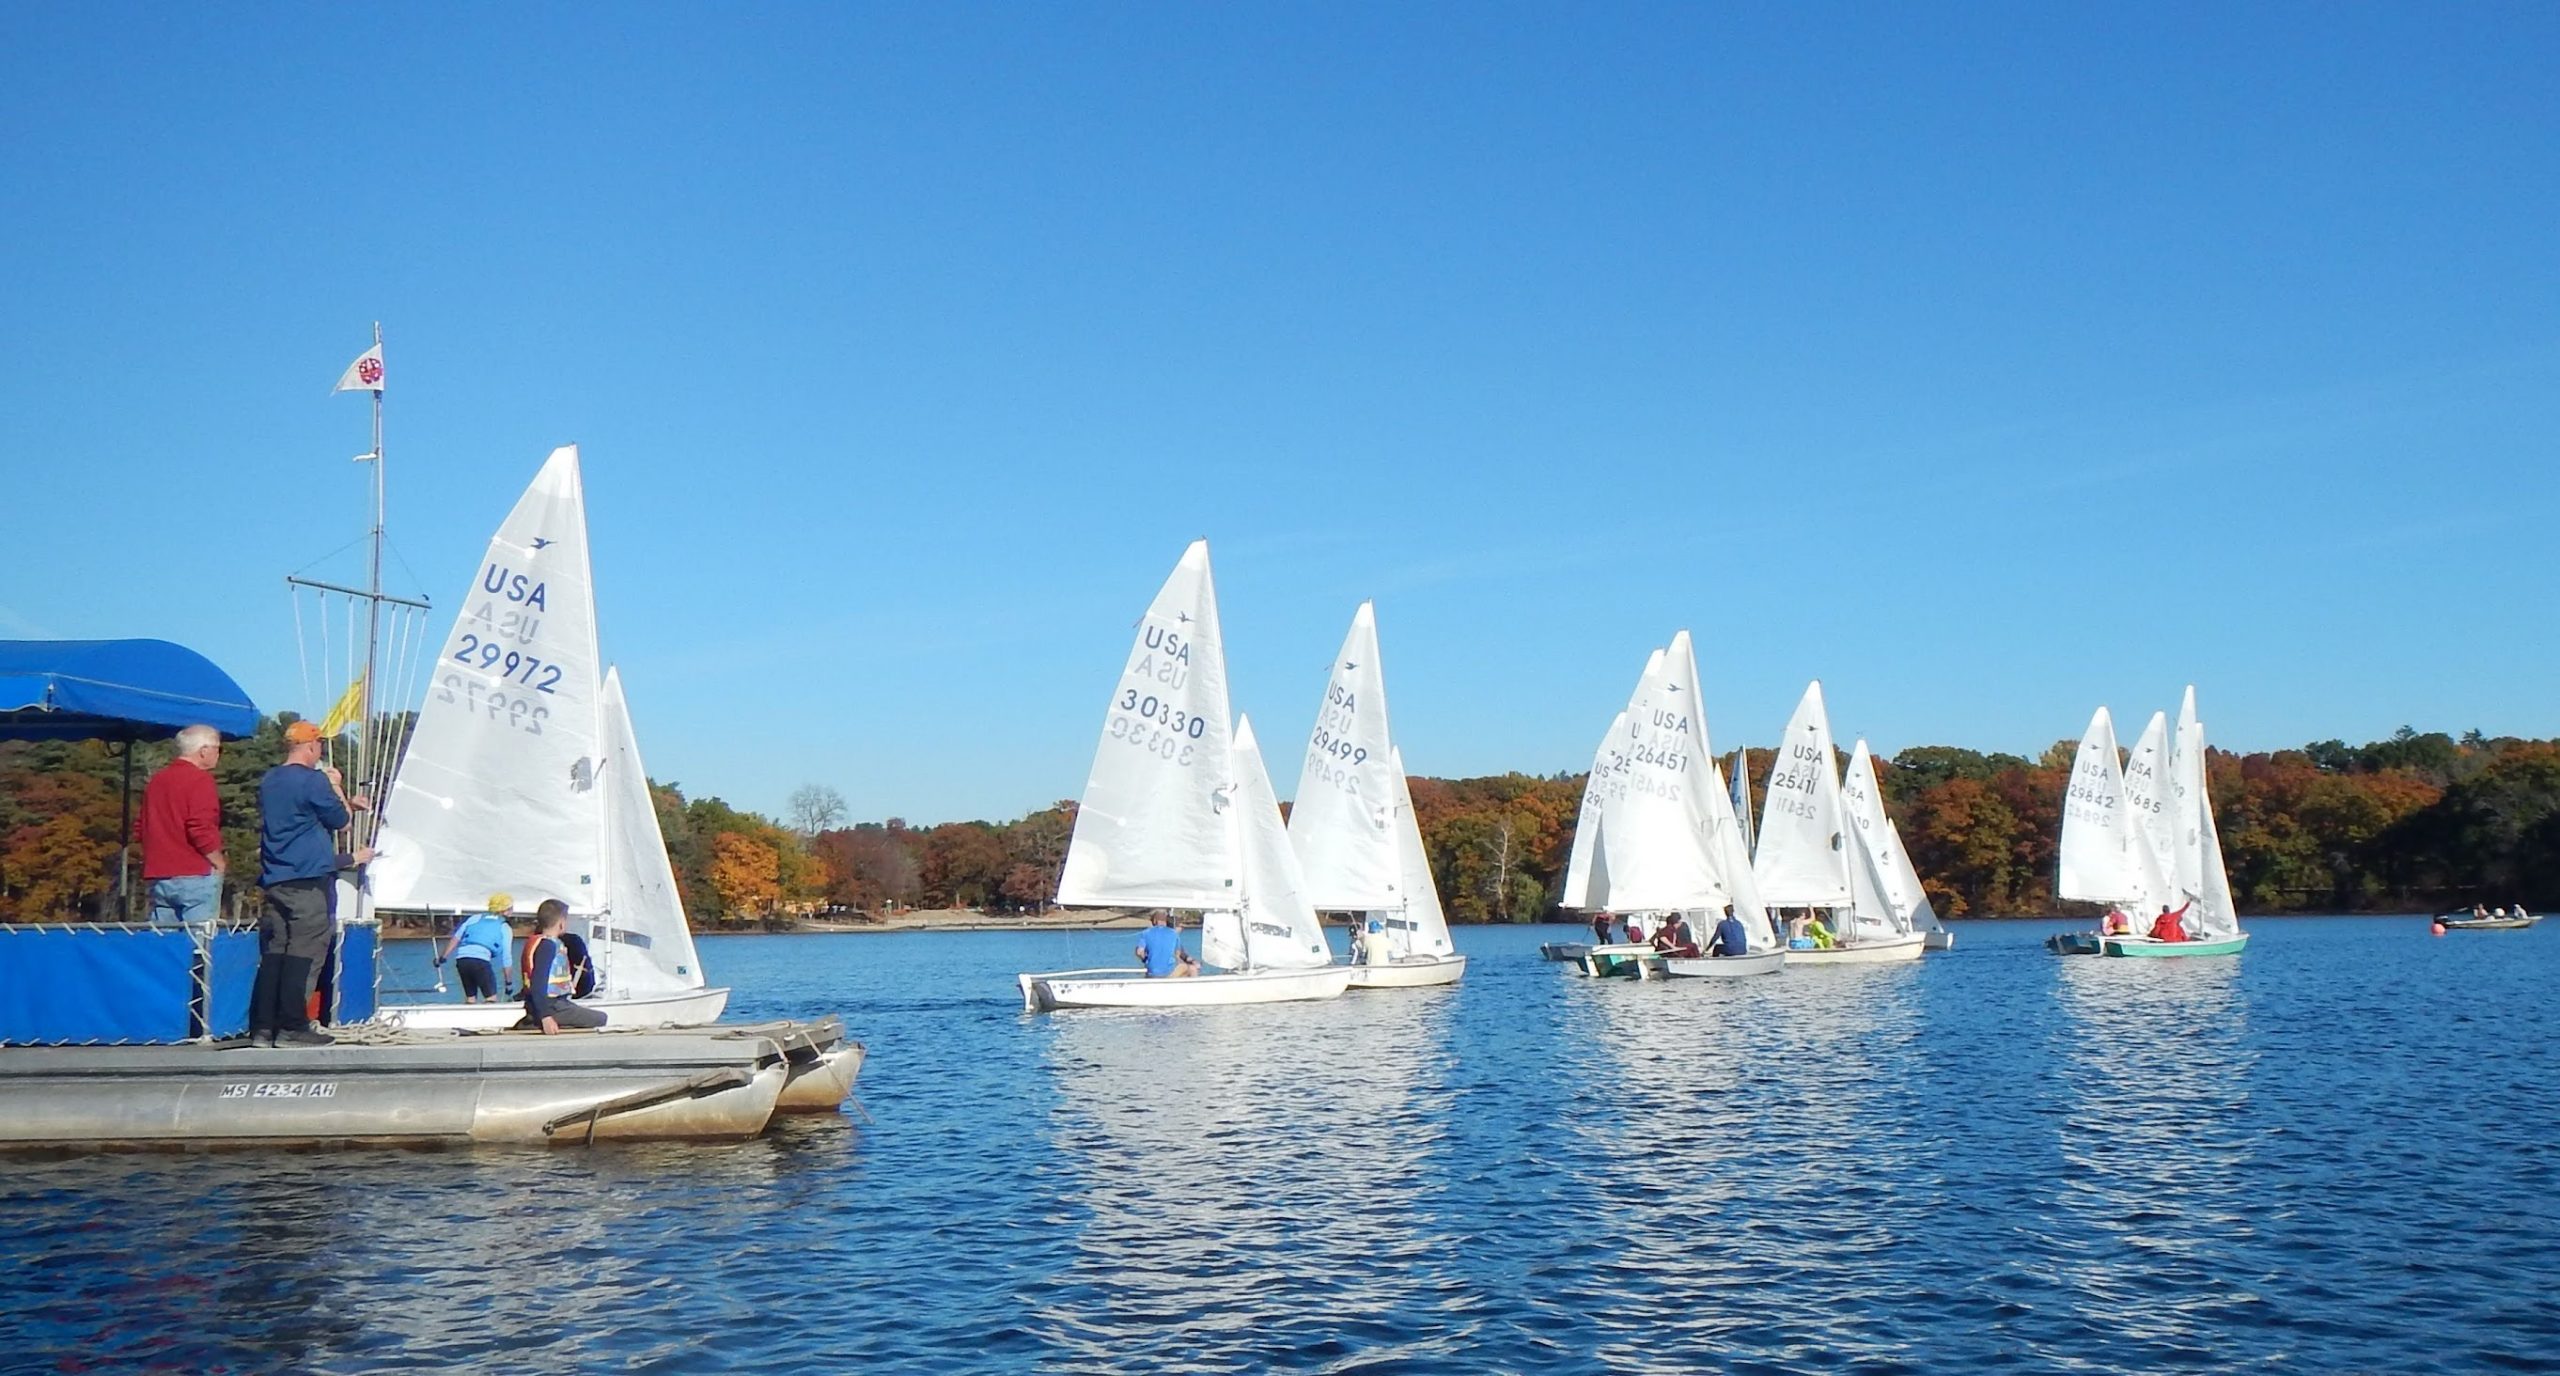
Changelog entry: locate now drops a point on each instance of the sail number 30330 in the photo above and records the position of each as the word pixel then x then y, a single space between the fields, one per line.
pixel 1179 723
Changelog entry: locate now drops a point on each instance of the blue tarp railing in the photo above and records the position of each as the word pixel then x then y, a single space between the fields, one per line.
pixel 116 690
pixel 122 986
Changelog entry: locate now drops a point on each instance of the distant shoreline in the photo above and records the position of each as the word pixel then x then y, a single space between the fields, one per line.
pixel 954 920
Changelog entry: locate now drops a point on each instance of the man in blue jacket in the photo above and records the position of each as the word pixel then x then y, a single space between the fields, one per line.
pixel 300 808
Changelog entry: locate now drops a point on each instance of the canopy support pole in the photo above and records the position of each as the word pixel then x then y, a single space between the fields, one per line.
pixel 124 842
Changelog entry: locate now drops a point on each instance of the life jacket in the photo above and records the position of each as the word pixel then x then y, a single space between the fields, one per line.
pixel 560 981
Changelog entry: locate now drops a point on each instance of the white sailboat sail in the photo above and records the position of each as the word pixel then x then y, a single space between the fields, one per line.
pixel 1862 797
pixel 1803 857
pixel 1151 830
pixel 1343 819
pixel 1586 880
pixel 1728 840
pixel 1280 927
pixel 1657 839
pixel 1740 775
pixel 2146 797
pixel 1870 915
pixel 497 793
pixel 2101 860
pixel 1424 929
pixel 2200 875
pixel 642 944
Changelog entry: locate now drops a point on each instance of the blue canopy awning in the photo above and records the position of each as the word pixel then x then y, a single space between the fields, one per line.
pixel 116 690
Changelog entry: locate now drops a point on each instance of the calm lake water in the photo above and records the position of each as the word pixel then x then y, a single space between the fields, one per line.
pixel 2330 1155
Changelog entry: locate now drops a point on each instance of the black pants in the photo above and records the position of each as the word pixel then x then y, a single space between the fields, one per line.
pixel 478 980
pixel 566 1014
pixel 293 937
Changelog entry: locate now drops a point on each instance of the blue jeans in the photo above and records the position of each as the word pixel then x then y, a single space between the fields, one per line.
pixel 193 900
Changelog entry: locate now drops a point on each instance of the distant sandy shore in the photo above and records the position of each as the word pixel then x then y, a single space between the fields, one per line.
pixel 965 920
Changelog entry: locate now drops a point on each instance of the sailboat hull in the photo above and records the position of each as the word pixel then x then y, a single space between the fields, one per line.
pixel 1411 972
pixel 1563 950
pixel 1863 952
pixel 1725 967
pixel 1941 940
pixel 2489 924
pixel 2143 947
pixel 692 1008
pixel 2074 943
pixel 1621 958
pixel 820 1076
pixel 1121 988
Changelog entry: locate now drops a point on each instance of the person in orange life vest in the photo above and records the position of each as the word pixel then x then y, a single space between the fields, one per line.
pixel 2170 926
pixel 549 977
pixel 2115 923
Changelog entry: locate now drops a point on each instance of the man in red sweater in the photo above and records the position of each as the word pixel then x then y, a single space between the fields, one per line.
pixel 181 831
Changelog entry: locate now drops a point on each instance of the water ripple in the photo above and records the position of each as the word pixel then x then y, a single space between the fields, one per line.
pixel 2326 1156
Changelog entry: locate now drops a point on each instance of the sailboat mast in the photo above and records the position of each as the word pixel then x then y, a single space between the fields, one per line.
pixel 373 606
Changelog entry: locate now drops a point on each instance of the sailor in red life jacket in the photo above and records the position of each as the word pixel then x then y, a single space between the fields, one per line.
pixel 549 977
pixel 1674 938
pixel 2170 926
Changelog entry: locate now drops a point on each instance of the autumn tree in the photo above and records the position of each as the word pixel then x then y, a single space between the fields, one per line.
pixel 964 865
pixel 746 873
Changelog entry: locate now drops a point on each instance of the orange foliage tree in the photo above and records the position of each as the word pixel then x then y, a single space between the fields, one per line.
pixel 746 872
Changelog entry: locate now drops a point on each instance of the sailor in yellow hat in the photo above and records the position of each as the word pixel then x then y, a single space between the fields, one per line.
pixel 478 950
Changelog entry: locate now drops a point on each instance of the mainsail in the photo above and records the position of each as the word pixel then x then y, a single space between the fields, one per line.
pixel 1151 830
pixel 497 793
pixel 1657 838
pixel 1803 859
pixel 2146 796
pixel 1343 819
pixel 1728 840
pixel 2101 859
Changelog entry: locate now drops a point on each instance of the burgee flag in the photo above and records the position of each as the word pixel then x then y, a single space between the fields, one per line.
pixel 342 716
pixel 363 375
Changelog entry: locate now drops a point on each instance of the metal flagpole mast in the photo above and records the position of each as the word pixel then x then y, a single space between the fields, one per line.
pixel 373 608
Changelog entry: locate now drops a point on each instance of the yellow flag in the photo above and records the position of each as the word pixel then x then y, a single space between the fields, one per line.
pixel 350 704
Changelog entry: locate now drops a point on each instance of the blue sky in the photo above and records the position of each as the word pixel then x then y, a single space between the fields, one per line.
pixel 1988 362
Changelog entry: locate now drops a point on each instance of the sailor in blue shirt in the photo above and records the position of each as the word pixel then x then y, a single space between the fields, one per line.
pixel 478 949
pixel 1156 946
pixel 1730 939
pixel 300 808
